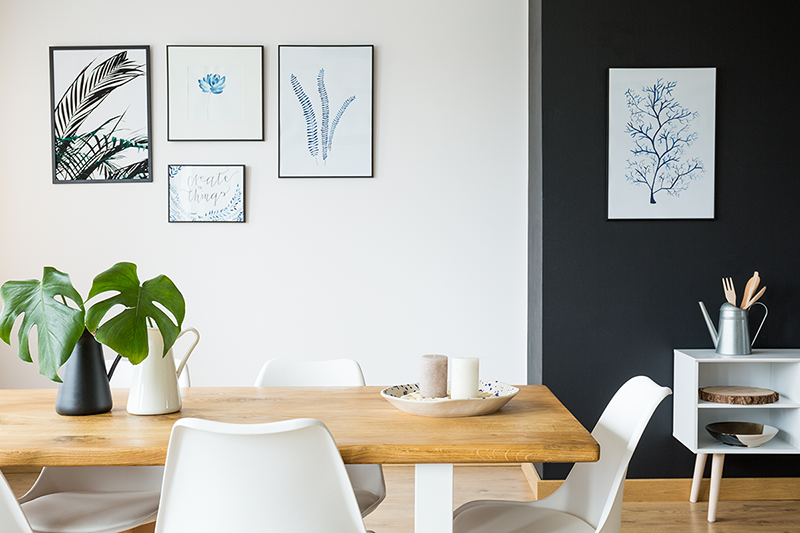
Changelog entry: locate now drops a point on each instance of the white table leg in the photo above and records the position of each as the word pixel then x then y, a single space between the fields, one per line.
pixel 699 468
pixel 433 498
pixel 716 479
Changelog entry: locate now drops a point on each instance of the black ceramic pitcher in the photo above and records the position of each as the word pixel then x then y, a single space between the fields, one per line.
pixel 85 389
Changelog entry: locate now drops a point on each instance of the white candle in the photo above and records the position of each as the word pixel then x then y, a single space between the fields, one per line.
pixel 464 377
pixel 433 376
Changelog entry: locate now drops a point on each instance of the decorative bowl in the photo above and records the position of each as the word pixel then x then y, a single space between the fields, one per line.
pixel 743 434
pixel 494 395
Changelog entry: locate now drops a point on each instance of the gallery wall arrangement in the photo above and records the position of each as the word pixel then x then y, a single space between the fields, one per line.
pixel 101 117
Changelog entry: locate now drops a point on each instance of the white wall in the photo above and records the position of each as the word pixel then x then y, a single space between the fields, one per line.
pixel 428 256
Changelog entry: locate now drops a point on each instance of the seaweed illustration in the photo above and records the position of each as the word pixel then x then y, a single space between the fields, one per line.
pixel 327 128
pixel 94 154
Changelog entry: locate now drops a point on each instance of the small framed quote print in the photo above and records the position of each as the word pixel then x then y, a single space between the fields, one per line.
pixel 206 193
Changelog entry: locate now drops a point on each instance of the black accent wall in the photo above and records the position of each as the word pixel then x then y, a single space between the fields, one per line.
pixel 618 296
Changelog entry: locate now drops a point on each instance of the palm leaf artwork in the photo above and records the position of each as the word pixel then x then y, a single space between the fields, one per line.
pixel 97 154
pixel 326 128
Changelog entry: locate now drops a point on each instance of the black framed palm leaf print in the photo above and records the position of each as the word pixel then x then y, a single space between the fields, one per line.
pixel 100 102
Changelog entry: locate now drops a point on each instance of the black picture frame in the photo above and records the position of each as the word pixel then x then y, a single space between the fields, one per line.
pixel 100 114
pixel 325 90
pixel 206 193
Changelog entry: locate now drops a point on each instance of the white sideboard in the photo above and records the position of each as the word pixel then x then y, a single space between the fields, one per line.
pixel 774 369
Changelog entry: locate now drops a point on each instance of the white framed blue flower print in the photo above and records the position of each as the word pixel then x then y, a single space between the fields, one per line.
pixel 215 93
pixel 206 193
pixel 325 111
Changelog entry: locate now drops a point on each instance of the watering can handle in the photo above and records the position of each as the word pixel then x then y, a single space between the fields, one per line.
pixel 191 348
pixel 766 312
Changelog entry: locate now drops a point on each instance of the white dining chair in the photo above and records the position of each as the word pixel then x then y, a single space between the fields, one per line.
pixel 96 499
pixel 590 499
pixel 368 481
pixel 273 476
pixel 12 519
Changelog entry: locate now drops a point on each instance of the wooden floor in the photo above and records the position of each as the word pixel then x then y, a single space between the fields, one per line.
pixel 396 513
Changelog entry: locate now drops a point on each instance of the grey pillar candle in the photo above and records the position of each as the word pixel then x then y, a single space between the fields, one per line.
pixel 433 376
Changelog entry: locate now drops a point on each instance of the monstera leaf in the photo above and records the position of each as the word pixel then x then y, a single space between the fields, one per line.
pixel 126 332
pixel 58 326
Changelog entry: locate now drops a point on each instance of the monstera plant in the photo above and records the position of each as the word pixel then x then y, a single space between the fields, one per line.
pixel 60 315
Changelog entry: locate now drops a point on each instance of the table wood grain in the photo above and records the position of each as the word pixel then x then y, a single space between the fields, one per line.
pixel 533 427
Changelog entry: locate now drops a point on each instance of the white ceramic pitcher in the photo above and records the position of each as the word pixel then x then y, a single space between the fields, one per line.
pixel 154 386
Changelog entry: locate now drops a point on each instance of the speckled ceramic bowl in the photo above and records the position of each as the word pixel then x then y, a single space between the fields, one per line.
pixel 743 434
pixel 494 395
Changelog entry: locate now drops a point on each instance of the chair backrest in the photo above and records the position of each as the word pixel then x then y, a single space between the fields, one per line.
pixel 593 491
pixel 239 477
pixel 12 520
pixel 291 373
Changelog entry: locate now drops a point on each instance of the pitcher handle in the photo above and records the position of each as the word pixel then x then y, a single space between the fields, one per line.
pixel 766 312
pixel 189 351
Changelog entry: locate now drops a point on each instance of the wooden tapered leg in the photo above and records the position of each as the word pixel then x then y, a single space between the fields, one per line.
pixel 699 468
pixel 717 461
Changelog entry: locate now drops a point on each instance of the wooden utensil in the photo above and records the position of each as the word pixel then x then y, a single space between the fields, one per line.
pixel 730 292
pixel 755 298
pixel 750 289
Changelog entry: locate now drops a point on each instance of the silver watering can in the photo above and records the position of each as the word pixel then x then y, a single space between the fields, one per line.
pixel 734 334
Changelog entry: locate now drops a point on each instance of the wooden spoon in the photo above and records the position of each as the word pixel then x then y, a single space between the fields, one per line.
pixel 755 298
pixel 749 289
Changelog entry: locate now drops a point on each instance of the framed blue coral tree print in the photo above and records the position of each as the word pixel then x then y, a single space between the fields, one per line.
pixel 215 93
pixel 661 128
pixel 206 193
pixel 325 111
pixel 100 102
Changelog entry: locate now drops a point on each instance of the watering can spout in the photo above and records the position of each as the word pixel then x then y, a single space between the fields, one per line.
pixel 711 329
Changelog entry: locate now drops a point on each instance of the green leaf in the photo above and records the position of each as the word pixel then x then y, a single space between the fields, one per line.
pixel 126 333
pixel 58 326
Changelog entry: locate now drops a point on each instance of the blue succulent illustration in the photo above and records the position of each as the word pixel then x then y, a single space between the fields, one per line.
pixel 212 83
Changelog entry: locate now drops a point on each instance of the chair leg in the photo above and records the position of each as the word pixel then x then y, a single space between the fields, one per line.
pixel 716 479
pixel 699 468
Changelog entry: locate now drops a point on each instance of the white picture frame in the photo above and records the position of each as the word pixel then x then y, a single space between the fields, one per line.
pixel 661 143
pixel 215 93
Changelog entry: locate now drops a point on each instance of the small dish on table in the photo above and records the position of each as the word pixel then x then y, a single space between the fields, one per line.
pixel 493 396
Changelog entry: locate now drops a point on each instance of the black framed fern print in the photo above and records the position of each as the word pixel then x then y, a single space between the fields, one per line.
pixel 325 96
pixel 100 102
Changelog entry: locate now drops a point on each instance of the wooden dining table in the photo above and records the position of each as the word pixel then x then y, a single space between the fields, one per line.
pixel 534 427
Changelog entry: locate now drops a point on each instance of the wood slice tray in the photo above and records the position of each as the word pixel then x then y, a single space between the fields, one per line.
pixel 738 395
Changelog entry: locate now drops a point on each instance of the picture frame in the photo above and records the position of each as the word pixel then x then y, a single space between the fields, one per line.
pixel 661 143
pixel 100 114
pixel 206 193
pixel 325 111
pixel 215 93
